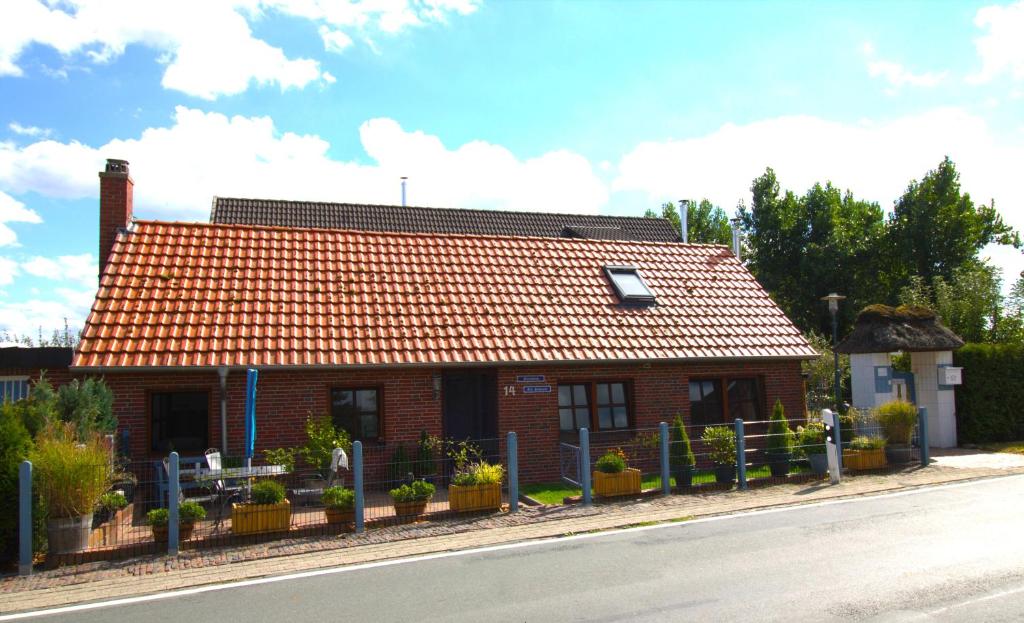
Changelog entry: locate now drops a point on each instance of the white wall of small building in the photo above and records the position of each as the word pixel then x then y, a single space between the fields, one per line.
pixel 862 379
pixel 941 403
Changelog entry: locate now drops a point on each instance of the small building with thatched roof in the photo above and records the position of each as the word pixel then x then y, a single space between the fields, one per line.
pixel 880 331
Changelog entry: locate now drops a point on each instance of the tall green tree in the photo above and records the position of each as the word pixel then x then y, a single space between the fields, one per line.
pixel 936 228
pixel 706 222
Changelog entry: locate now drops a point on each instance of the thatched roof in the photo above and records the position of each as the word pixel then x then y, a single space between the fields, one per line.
pixel 884 329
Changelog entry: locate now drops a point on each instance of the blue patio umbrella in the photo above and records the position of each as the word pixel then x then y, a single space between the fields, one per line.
pixel 250 413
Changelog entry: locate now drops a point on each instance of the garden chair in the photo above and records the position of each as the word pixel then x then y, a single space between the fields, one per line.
pixel 223 493
pixel 200 499
pixel 306 495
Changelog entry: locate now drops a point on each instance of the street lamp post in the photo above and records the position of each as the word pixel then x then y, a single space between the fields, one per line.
pixel 833 308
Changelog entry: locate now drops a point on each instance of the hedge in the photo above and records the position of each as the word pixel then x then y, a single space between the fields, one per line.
pixel 990 403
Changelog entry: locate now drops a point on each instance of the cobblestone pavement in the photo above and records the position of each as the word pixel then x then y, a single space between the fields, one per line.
pixel 154 574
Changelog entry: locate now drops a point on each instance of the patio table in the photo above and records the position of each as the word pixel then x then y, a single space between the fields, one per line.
pixel 231 473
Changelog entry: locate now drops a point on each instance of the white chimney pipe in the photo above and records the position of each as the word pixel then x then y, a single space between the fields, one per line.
pixel 684 216
pixel 736 237
pixel 403 190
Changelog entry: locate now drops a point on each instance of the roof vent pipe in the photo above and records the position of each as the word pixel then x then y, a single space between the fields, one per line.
pixel 684 217
pixel 403 190
pixel 736 236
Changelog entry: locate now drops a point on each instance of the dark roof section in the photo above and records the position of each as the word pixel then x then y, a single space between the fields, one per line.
pixel 49 357
pixel 883 329
pixel 280 213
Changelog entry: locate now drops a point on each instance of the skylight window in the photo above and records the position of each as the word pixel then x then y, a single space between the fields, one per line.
pixel 629 285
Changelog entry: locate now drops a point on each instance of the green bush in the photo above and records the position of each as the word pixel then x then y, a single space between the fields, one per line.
pixel 418 491
pixel 188 512
pixel 400 465
pixel 897 418
pixel 611 462
pixel 267 492
pixel 721 440
pixel 71 474
pixel 864 442
pixel 680 453
pixel 159 517
pixel 281 456
pixel 15 445
pixel 479 473
pixel 988 404
pixel 88 405
pixel 322 437
pixel 780 435
pixel 113 501
pixel 811 439
pixel 425 465
pixel 339 498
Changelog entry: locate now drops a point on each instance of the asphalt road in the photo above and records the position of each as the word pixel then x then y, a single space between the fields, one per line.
pixel 947 554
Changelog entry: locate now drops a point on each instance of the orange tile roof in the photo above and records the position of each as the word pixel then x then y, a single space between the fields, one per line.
pixel 197 294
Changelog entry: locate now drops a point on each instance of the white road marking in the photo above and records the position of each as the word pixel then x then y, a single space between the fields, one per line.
pixel 978 600
pixel 480 550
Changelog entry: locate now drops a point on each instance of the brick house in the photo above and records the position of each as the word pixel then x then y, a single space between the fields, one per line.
pixel 394 332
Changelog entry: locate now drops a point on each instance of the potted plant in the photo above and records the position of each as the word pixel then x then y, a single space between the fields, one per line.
pixel 811 440
pixel 70 475
pixel 477 488
pixel 110 502
pixel 897 419
pixel 780 442
pixel 412 498
pixel 612 476
pixel 188 514
pixel 680 454
pixel 721 440
pixel 339 505
pixel 266 511
pixel 865 453
pixel 322 437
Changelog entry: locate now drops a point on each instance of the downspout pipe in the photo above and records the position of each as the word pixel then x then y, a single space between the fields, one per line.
pixel 223 374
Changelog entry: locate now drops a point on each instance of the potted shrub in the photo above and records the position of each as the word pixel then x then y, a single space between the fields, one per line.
pixel 680 454
pixel 70 476
pixel 412 498
pixel 721 441
pixel 339 504
pixel 188 514
pixel 865 453
pixel 612 476
pixel 897 419
pixel 110 502
pixel 266 511
pixel 476 488
pixel 811 440
pixel 780 442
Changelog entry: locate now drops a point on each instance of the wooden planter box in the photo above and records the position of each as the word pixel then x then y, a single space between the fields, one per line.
pixel 258 518
pixel 413 508
pixel 864 459
pixel 624 483
pixel 335 516
pixel 475 497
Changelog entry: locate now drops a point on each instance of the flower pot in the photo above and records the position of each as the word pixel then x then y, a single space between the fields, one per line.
pixel 258 518
pixel 68 534
pixel 410 509
pixel 725 474
pixel 474 497
pixel 778 463
pixel 185 529
pixel 898 454
pixel 819 463
pixel 684 476
pixel 626 482
pixel 864 459
pixel 336 516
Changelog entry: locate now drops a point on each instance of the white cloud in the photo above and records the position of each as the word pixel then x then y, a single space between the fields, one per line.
pixel 208 47
pixel 897 75
pixel 8 271
pixel 178 169
pixel 30 130
pixel 13 211
pixel 29 317
pixel 1001 48
pixel 79 268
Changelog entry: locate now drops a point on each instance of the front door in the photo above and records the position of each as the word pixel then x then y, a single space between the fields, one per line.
pixel 470 405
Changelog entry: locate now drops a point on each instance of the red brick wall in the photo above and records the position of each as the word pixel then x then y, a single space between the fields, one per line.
pixel 116 198
pixel 56 377
pixel 285 397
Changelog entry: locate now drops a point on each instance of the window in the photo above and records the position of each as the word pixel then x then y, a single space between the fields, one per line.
pixel 13 388
pixel 629 285
pixel 179 421
pixel 357 411
pixel 573 407
pixel 577 407
pixel 612 411
pixel 708 405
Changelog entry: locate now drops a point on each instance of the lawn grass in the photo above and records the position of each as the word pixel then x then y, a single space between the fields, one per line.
pixel 1010 447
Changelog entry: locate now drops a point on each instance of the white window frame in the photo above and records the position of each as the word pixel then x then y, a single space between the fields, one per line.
pixel 7 383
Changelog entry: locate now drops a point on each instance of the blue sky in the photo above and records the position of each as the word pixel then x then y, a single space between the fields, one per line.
pixel 607 107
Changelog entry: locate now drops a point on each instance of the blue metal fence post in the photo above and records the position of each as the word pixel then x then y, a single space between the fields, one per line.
pixel 666 478
pixel 585 464
pixel 173 489
pixel 25 518
pixel 512 448
pixel 357 469
pixel 922 435
pixel 741 454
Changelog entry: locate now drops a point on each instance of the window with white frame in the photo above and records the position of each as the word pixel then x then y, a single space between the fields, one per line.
pixel 13 388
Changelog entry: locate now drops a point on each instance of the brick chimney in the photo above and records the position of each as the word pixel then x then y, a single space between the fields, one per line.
pixel 115 205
